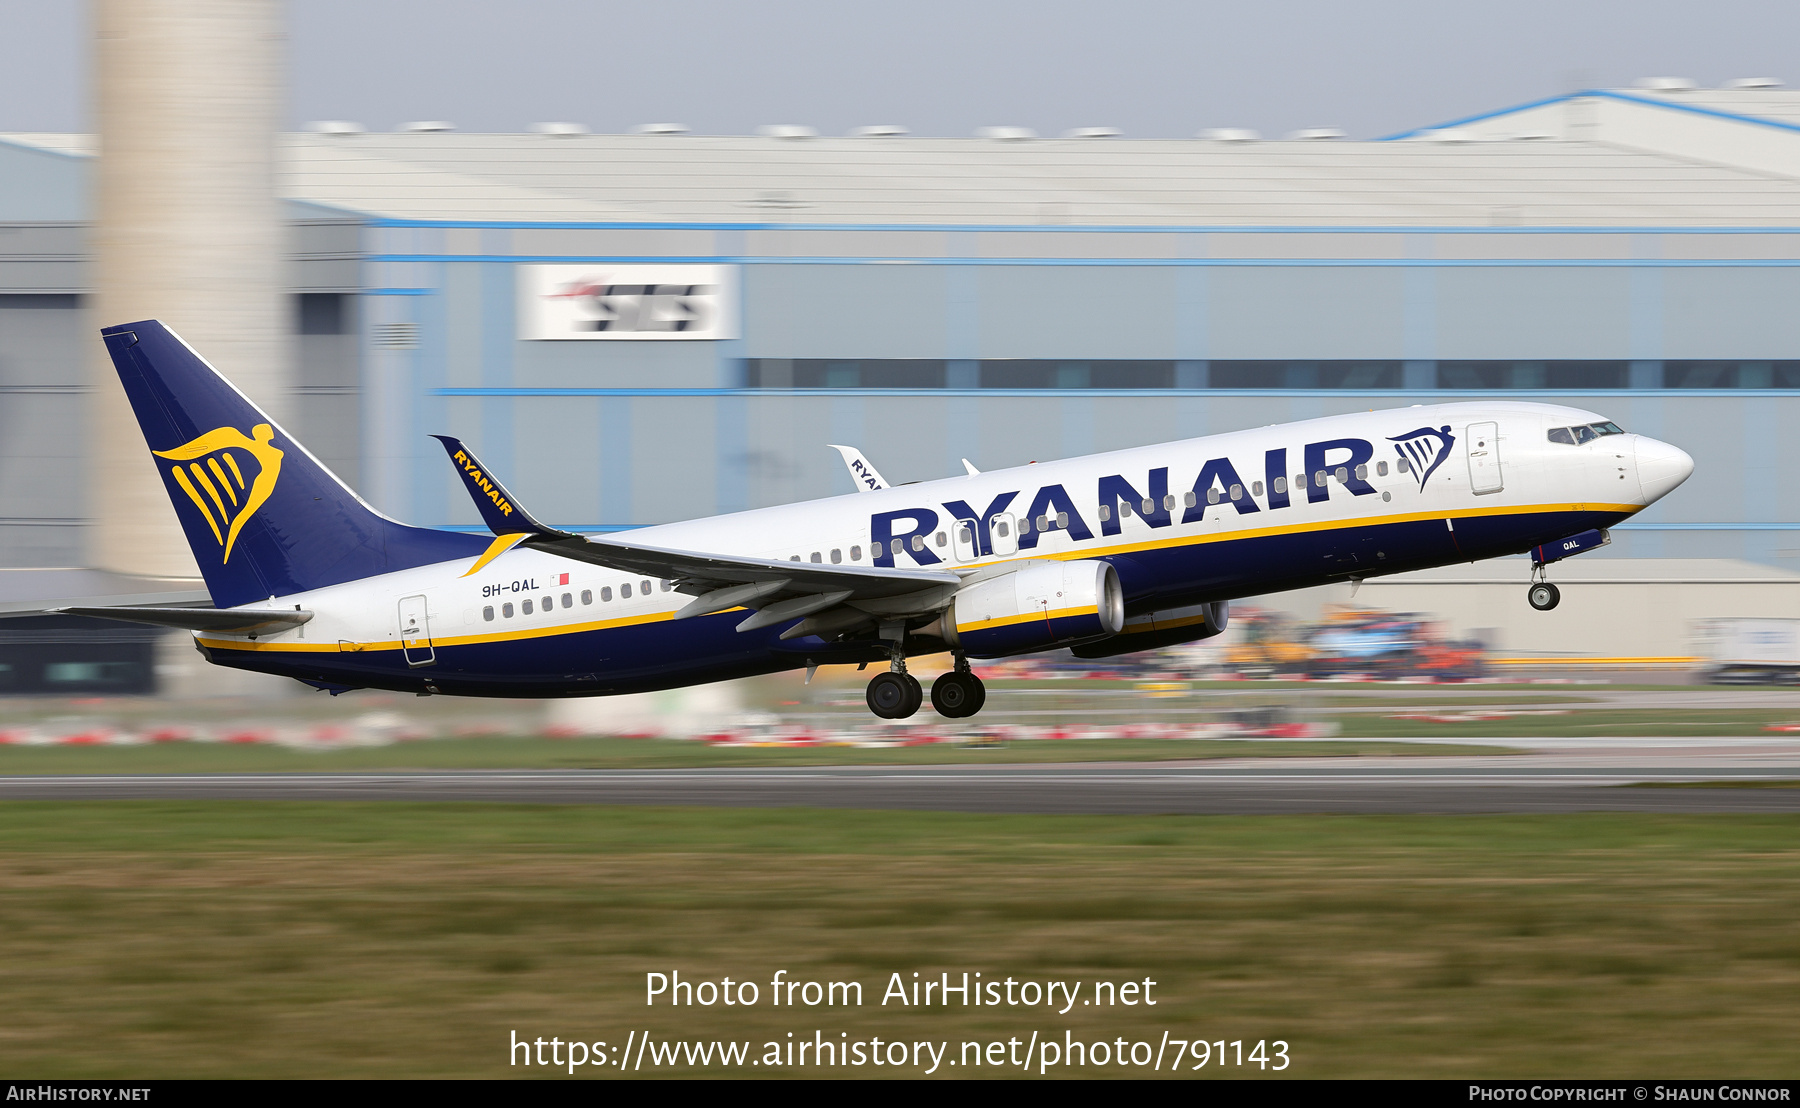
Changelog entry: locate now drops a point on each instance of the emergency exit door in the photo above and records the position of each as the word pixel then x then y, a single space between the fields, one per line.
pixel 415 632
pixel 1483 443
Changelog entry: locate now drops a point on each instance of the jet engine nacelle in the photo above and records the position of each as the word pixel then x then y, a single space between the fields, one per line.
pixel 1036 607
pixel 1170 627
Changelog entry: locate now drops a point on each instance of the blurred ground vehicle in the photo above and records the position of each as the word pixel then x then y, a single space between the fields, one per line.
pixel 1264 643
pixel 1751 651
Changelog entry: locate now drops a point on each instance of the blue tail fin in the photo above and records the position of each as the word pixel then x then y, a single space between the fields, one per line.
pixel 263 517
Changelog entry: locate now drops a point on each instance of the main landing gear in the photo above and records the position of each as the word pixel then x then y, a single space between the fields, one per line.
pixel 959 693
pixel 896 694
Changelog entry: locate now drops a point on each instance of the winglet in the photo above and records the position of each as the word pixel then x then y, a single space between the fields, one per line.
pixel 862 474
pixel 498 509
pixel 969 468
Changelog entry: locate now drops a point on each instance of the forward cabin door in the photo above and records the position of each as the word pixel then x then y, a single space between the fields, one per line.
pixel 415 632
pixel 1483 443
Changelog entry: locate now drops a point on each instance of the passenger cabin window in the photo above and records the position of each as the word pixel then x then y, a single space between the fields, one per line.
pixel 1237 492
pixel 645 585
pixel 1106 512
pixel 1124 509
pixel 549 604
pixel 1000 529
pixel 856 553
pixel 587 596
pixel 1169 502
pixel 1062 519
pixel 1255 488
pixel 1404 466
pixel 605 594
pixel 568 601
pixel 487 613
pixel 837 557
pixel 918 542
pixel 1281 484
pixel 1362 473
pixel 525 607
pixel 667 585
pixel 506 610
pixel 1342 474
pixel 1319 479
pixel 1188 498
pixel 943 539
pixel 1381 469
pixel 1212 496
pixel 625 591
pixel 817 557
pixel 899 546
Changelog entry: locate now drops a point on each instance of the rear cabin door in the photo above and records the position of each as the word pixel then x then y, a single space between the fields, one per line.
pixel 1483 443
pixel 415 632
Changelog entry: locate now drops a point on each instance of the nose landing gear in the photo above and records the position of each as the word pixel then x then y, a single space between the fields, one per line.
pixel 1543 596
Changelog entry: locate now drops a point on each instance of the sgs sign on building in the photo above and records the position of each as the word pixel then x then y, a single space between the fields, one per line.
pixel 603 301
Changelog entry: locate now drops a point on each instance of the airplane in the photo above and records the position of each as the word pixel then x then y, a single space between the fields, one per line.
pixel 1104 554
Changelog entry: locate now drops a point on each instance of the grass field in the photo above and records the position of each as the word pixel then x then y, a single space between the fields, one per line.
pixel 301 939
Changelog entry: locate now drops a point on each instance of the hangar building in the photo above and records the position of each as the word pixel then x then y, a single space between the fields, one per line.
pixel 639 328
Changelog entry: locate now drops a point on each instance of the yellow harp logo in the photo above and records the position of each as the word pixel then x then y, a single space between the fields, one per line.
pixel 218 487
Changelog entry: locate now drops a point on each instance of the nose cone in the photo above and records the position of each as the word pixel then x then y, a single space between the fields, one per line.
pixel 1661 467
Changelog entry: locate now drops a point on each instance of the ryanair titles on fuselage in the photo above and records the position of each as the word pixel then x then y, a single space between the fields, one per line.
pixel 1219 484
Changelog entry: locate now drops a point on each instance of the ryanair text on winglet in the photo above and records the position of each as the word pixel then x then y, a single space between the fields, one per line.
pixel 482 483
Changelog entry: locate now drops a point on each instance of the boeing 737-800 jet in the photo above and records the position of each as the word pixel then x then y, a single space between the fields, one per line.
pixel 1105 554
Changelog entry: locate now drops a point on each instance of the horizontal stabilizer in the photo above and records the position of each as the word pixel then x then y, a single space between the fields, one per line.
pixel 239 620
pixel 498 509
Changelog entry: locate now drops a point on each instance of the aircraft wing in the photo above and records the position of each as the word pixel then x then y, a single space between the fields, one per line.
pixel 720 581
pixel 728 581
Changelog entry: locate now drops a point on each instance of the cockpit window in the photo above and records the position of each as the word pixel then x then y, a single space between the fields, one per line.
pixel 1570 436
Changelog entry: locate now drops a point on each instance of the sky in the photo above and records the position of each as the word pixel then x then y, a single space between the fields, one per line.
pixel 1152 68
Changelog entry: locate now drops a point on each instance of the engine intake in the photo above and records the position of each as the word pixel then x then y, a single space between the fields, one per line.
pixel 1036 607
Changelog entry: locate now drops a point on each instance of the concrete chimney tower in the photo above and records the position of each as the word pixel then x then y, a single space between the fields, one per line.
pixel 187 229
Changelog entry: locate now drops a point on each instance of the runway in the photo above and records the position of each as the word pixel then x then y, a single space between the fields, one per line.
pixel 1553 776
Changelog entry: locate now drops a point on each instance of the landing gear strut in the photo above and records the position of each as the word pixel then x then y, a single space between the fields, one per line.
pixel 959 693
pixel 895 694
